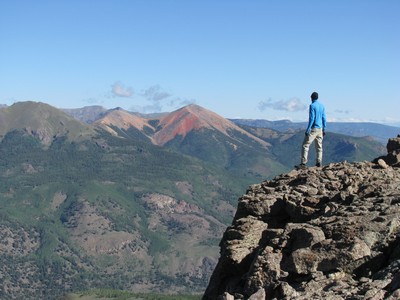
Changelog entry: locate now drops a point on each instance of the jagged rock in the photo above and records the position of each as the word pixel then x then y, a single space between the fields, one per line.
pixel 319 233
pixel 393 149
pixel 259 295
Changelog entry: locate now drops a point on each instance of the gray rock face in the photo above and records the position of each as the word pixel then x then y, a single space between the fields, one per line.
pixel 393 148
pixel 319 233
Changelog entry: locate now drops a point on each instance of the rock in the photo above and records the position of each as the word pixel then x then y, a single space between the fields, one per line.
pixel 382 163
pixel 393 145
pixel 227 296
pixel 319 233
pixel 259 295
pixel 393 149
pixel 285 291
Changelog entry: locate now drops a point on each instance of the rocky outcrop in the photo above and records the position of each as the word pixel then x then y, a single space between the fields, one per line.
pixel 393 156
pixel 320 233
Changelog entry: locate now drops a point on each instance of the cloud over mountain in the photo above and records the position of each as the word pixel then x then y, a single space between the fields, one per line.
pixel 292 105
pixel 157 98
pixel 119 90
pixel 155 93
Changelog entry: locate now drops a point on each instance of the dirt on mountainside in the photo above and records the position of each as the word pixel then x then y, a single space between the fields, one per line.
pixel 320 233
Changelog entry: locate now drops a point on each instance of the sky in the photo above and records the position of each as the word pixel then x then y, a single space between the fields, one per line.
pixel 239 58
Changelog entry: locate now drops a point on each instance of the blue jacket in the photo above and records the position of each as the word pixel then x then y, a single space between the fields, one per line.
pixel 317 117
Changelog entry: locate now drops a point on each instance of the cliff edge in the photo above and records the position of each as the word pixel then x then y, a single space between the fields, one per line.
pixel 320 233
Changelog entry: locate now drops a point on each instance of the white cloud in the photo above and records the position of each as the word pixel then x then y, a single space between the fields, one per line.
pixel 339 111
pixel 119 90
pixel 154 99
pixel 291 105
pixel 181 102
pixel 155 94
pixel 385 120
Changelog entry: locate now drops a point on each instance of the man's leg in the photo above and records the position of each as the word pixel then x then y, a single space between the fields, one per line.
pixel 308 139
pixel 318 146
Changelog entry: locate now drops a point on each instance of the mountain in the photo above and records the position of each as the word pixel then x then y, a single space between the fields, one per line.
pixel 202 134
pixel 194 117
pixel 379 132
pixel 43 121
pixel 125 124
pixel 128 201
pixel 173 125
pixel 320 233
pixel 199 133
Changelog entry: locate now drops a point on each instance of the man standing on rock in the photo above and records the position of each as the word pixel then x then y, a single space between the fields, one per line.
pixel 315 131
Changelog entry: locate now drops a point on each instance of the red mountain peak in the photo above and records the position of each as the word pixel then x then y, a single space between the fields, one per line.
pixel 194 117
pixel 186 119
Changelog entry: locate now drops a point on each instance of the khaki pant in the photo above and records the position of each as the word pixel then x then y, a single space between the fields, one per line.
pixel 317 135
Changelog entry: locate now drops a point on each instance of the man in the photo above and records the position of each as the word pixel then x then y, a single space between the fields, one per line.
pixel 315 131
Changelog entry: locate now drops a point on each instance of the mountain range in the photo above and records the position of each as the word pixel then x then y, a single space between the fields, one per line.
pixel 109 198
pixel 186 129
pixel 380 132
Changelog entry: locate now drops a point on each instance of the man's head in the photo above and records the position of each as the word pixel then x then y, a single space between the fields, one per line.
pixel 314 96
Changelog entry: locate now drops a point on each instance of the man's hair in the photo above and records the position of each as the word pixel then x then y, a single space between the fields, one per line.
pixel 314 96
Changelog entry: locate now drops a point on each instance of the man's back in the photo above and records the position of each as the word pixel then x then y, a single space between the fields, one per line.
pixel 317 118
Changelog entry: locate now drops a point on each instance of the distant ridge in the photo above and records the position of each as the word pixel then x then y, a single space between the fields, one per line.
pixel 379 132
pixel 87 114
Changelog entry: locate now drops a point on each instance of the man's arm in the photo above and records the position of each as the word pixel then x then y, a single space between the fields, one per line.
pixel 311 119
pixel 323 120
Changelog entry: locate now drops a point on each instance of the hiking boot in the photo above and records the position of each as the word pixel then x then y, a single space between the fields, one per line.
pixel 318 164
pixel 301 166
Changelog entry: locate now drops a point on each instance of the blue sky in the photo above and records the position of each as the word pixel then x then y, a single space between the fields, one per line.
pixel 240 59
